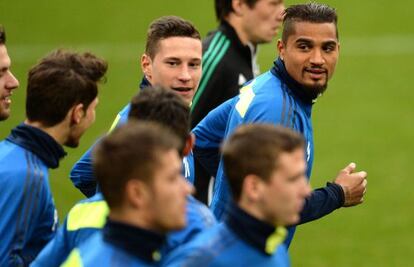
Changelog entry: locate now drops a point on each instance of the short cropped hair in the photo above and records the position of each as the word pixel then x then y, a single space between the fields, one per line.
pixel 59 81
pixel 2 35
pixel 130 151
pixel 254 149
pixel 165 107
pixel 166 27
pixel 310 12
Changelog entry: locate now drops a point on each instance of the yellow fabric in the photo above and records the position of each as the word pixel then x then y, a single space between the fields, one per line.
pixel 246 97
pixel 275 239
pixel 74 259
pixel 87 215
pixel 115 123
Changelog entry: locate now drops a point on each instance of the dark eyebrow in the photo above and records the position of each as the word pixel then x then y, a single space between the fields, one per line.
pixel 329 43
pixel 303 40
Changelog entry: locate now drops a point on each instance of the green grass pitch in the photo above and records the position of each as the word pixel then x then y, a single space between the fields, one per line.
pixel 366 115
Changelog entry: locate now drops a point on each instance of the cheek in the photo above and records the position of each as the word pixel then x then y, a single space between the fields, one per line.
pixel 196 75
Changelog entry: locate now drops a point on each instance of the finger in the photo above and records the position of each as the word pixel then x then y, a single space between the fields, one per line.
pixel 350 168
pixel 363 174
pixel 364 183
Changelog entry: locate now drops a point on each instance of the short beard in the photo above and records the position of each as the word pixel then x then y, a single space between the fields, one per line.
pixel 72 142
pixel 315 91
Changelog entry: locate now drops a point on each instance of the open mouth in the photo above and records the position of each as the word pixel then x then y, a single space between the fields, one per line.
pixel 6 99
pixel 182 89
pixel 316 73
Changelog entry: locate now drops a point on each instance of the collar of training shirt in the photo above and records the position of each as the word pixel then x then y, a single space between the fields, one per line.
pixel 144 83
pixel 280 71
pixel 257 233
pixel 136 241
pixel 39 143
pixel 230 32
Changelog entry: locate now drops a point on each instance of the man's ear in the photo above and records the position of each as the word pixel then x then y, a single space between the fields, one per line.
pixel 281 48
pixel 252 187
pixel 189 144
pixel 137 193
pixel 238 6
pixel 77 113
pixel 146 66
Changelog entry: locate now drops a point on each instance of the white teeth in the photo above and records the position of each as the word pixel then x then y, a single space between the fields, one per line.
pixel 6 99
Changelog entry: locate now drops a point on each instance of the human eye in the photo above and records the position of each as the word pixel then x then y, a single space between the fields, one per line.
pixel 194 65
pixel 329 48
pixel 303 46
pixel 2 72
pixel 172 63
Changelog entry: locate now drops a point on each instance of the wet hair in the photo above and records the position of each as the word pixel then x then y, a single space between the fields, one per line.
pixel 166 27
pixel 310 12
pixel 59 81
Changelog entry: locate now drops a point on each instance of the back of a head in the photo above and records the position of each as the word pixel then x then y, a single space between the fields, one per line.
pixel 224 7
pixel 255 149
pixel 310 12
pixel 2 35
pixel 166 27
pixel 59 81
pixel 130 152
pixel 165 107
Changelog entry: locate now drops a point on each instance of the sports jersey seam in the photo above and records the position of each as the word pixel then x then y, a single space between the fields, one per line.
pixel 29 199
pixel 282 116
pixel 294 113
pixel 26 184
pixel 289 115
pixel 36 189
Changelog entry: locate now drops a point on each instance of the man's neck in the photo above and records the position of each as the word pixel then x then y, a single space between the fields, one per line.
pixel 134 218
pixel 57 132
pixel 251 208
pixel 236 23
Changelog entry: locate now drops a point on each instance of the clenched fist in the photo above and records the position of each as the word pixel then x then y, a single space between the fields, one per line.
pixel 353 183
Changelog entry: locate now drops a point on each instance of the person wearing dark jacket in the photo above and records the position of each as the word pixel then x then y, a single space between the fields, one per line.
pixel 229 58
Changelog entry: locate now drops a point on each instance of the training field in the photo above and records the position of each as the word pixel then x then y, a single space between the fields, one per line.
pixel 366 116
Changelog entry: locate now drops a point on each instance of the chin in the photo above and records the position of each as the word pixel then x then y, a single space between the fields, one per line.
pixel 72 143
pixel 4 115
pixel 177 226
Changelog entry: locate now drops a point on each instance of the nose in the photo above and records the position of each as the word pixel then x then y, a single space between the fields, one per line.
pixel 306 188
pixel 11 82
pixel 184 74
pixel 188 187
pixel 317 57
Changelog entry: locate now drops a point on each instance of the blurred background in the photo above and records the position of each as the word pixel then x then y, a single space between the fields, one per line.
pixel 366 115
